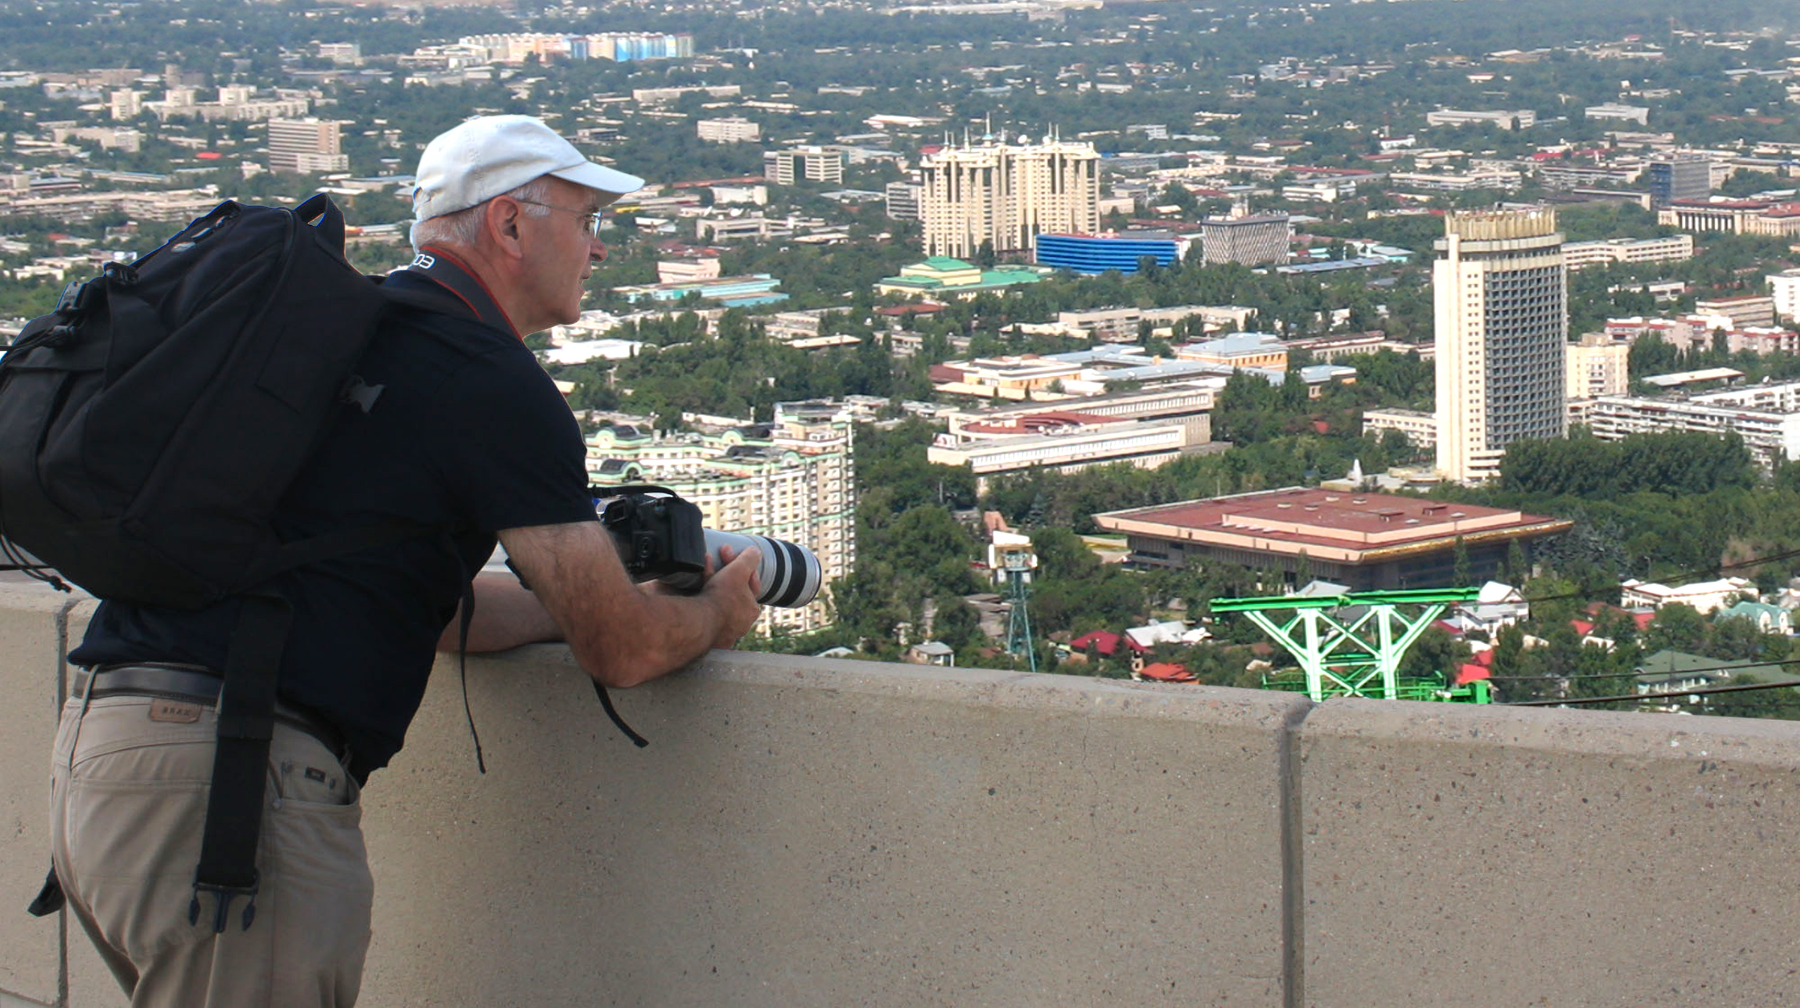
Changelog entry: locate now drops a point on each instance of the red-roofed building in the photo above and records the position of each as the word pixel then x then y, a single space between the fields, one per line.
pixel 1167 672
pixel 1366 541
pixel 1098 642
pixel 1470 672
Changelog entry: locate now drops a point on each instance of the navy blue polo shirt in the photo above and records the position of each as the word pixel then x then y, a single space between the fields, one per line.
pixel 468 435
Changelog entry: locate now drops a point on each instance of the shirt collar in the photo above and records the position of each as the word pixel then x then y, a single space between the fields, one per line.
pixel 449 272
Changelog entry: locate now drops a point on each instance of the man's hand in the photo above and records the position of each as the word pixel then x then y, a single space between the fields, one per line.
pixel 734 589
pixel 624 633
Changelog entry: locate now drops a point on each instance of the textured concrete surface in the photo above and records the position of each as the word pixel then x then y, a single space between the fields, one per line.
pixel 1469 856
pixel 805 832
pixel 842 833
pixel 30 662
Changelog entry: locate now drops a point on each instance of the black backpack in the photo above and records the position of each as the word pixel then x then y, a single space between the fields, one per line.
pixel 148 427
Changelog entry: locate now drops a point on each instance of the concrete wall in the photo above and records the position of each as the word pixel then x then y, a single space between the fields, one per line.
pixel 807 832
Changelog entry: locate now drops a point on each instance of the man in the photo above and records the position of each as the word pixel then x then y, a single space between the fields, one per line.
pixel 466 436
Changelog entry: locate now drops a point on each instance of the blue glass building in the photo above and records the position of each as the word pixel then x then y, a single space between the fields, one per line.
pixel 1099 253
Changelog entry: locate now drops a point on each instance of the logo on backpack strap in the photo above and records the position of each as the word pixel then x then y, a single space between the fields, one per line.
pixel 359 393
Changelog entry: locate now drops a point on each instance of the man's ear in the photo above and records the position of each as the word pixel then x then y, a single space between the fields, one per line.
pixel 500 219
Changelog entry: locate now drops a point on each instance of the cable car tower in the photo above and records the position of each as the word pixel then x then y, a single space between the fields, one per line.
pixel 1012 559
pixel 1351 644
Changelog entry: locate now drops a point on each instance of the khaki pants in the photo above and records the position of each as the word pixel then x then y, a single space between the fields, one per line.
pixel 129 786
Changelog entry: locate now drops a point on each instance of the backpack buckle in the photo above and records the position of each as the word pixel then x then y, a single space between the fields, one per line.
pixel 76 298
pixel 224 894
pixel 69 303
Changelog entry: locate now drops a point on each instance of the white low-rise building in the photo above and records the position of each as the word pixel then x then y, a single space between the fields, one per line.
pixel 1704 596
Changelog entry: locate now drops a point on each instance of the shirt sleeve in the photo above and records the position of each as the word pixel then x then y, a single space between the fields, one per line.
pixel 507 446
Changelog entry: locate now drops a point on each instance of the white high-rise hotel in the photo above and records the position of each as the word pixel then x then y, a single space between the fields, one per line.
pixel 1502 322
pixel 1007 194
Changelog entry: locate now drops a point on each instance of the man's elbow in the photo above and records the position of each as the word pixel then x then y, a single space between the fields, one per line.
pixel 617 666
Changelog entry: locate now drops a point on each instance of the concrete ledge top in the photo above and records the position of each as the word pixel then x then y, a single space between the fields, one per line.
pixel 24 595
pixel 1558 729
pixel 996 688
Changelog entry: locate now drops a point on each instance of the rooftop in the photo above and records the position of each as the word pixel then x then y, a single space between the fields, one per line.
pixel 1359 523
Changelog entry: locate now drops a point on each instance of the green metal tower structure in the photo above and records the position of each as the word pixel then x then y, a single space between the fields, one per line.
pixel 1351 644
pixel 1010 556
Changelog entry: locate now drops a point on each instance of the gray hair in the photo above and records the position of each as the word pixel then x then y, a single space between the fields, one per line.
pixel 463 228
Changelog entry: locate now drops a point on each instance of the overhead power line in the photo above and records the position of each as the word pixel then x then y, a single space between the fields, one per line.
pixel 1639 697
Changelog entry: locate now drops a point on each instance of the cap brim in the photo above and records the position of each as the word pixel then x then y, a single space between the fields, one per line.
pixel 600 177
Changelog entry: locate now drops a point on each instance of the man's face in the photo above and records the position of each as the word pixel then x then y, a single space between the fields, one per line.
pixel 560 252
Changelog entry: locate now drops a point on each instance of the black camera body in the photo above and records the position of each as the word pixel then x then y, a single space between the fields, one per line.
pixel 659 535
pixel 660 538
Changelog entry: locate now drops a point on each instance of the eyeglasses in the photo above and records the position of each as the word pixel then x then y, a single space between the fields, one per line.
pixel 591 220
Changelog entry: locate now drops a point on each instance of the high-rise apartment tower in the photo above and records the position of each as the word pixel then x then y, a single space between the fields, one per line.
pixel 1502 322
pixel 1004 194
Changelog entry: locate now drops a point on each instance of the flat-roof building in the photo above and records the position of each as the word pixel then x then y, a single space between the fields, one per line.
pixel 1766 417
pixel 1366 541
pixel 1060 440
pixel 1099 253
pixel 1675 248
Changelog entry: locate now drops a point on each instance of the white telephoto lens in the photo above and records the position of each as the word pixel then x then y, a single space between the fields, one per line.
pixel 789 572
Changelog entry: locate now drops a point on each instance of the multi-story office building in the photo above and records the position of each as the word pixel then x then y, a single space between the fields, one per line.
pixel 1748 310
pixel 1784 288
pixel 731 129
pixel 1099 253
pixel 903 200
pixel 785 167
pixel 307 145
pixel 126 104
pixel 1060 440
pixel 1767 417
pixel 1639 114
pixel 1418 427
pixel 618 46
pixel 792 479
pixel 1250 239
pixel 1500 306
pixel 1675 248
pixel 1683 177
pixel 1505 119
pixel 1003 195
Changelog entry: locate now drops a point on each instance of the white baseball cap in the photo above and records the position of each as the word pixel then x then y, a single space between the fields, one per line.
pixel 489 155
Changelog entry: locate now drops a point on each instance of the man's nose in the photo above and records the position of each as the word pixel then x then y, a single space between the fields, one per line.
pixel 596 250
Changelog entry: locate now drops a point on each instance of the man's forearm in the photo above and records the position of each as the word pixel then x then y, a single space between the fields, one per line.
pixel 506 616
